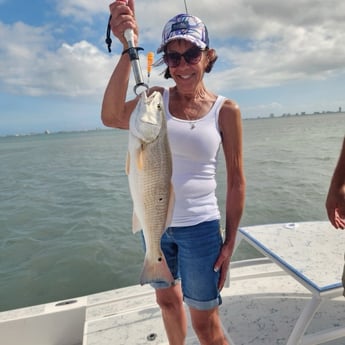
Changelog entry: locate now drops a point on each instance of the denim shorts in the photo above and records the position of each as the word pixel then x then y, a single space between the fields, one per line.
pixel 191 253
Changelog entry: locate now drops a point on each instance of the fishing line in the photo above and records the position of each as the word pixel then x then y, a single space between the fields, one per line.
pixel 185 6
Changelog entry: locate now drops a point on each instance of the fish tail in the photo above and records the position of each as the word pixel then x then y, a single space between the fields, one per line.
pixel 155 271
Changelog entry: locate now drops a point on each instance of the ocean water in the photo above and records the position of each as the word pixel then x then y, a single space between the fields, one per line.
pixel 65 209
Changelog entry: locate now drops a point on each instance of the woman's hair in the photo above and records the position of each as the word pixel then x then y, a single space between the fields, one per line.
pixel 212 58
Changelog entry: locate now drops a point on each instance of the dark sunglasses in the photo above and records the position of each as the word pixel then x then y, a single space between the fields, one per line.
pixel 192 56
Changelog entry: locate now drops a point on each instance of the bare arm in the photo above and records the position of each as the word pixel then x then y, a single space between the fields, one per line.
pixel 231 129
pixel 115 110
pixel 335 202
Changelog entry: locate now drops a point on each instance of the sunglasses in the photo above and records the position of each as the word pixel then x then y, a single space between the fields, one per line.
pixel 192 56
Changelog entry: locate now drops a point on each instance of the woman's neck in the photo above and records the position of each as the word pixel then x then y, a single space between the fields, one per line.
pixel 191 106
pixel 196 95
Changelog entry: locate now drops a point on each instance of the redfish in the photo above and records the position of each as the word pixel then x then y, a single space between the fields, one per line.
pixel 149 170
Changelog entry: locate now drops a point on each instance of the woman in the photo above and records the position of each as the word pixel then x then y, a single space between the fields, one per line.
pixel 198 123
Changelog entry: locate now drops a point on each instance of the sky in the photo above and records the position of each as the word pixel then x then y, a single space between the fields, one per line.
pixel 274 57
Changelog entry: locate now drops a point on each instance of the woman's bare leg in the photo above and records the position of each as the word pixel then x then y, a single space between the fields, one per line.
pixel 174 316
pixel 208 327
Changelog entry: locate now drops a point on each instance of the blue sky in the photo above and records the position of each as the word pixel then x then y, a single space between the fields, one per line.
pixel 274 57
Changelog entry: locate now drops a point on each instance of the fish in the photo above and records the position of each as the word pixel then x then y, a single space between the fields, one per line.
pixel 149 170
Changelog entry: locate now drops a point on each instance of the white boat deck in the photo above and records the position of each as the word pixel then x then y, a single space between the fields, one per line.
pixel 255 310
pixel 318 244
pixel 261 307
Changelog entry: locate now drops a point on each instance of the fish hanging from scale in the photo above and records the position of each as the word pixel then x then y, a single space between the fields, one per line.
pixel 149 169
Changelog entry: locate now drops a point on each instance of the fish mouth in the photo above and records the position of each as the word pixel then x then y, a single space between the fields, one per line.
pixel 149 120
pixel 146 122
pixel 146 132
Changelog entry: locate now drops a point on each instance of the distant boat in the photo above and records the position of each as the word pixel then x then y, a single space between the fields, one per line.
pixel 47 131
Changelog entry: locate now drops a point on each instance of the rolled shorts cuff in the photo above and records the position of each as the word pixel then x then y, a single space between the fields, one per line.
pixel 203 305
pixel 164 285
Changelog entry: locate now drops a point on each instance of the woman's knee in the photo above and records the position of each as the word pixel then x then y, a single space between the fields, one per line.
pixel 205 321
pixel 170 298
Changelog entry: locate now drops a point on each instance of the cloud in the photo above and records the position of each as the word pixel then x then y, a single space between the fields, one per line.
pixel 290 52
pixel 82 10
pixel 28 67
pixel 260 44
pixel 19 55
pixel 263 43
pixel 76 70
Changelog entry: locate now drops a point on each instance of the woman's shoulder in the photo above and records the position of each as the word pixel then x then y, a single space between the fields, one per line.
pixel 229 109
pixel 229 105
pixel 229 115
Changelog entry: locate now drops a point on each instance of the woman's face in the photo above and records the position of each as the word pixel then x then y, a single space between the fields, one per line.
pixel 187 76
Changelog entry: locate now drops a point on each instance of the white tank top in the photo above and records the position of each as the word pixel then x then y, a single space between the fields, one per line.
pixel 195 146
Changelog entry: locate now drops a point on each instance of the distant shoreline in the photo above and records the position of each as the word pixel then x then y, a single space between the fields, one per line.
pixel 48 132
pixel 288 115
pixel 272 116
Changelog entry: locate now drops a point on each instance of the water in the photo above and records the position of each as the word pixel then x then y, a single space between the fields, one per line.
pixel 65 210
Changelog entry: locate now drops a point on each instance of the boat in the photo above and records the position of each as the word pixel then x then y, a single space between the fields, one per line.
pixel 289 294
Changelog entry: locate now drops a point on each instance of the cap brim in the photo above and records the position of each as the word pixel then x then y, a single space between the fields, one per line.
pixel 198 43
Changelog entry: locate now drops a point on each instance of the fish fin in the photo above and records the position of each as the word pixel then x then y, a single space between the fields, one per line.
pixel 156 271
pixel 136 226
pixel 170 206
pixel 140 158
pixel 127 163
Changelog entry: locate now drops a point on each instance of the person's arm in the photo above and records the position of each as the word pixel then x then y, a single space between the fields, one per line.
pixel 231 130
pixel 115 110
pixel 335 202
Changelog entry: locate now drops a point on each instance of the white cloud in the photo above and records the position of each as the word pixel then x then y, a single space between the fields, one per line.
pixel 260 43
pixel 76 70
pixel 28 67
pixel 315 52
pixel 264 42
pixel 82 10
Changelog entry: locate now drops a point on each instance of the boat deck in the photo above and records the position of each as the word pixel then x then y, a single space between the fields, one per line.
pixel 261 306
pixel 291 296
pixel 255 310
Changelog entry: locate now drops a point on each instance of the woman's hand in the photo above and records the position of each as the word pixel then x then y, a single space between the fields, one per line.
pixel 335 206
pixel 123 18
pixel 222 263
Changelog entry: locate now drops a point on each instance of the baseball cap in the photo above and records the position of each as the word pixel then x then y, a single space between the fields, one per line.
pixel 187 27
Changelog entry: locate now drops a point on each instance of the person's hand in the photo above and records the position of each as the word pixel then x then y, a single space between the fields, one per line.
pixel 123 18
pixel 340 218
pixel 222 264
pixel 335 206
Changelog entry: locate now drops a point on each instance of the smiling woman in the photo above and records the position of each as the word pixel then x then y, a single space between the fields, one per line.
pixel 198 123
